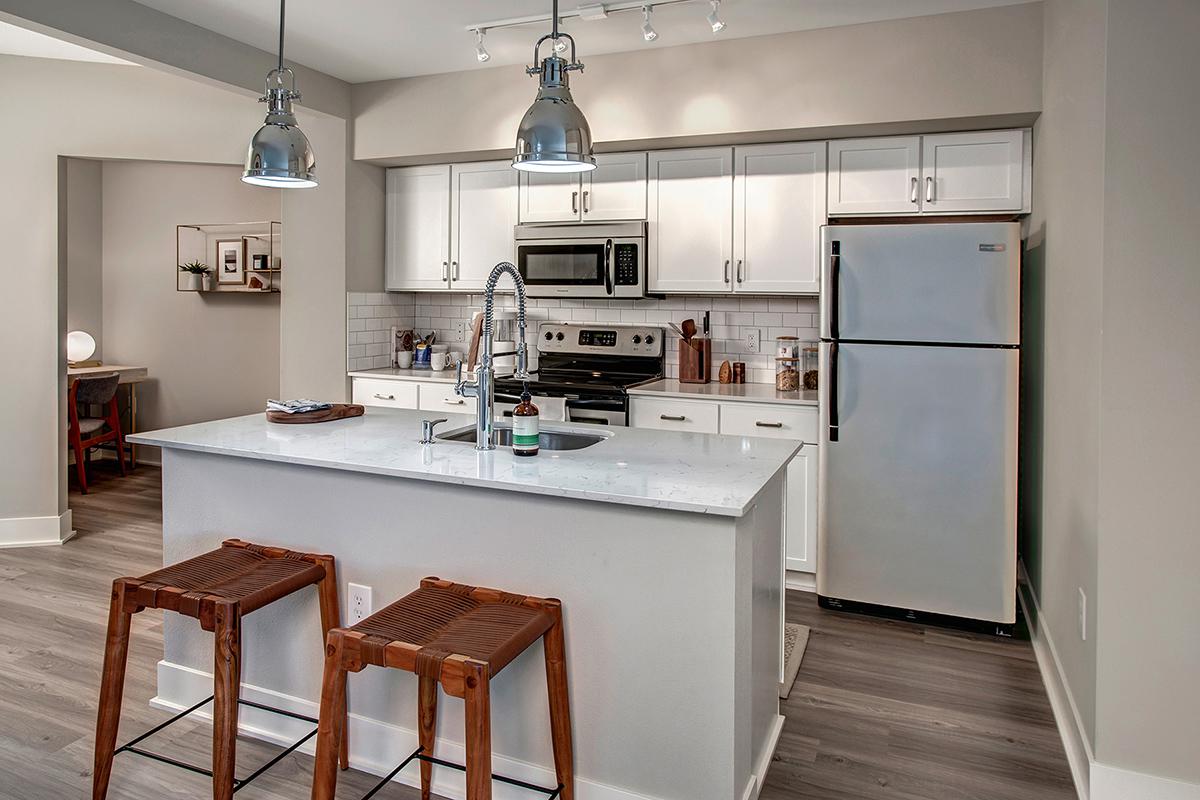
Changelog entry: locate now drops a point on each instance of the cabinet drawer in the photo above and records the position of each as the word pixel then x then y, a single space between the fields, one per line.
pixel 673 415
pixel 774 421
pixel 441 397
pixel 378 392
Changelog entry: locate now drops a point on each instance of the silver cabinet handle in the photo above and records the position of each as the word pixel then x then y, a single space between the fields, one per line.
pixel 912 195
pixel 455 265
pixel 762 424
pixel 585 202
pixel 453 401
pixel 741 274
pixel 445 270
pixel 929 190
pixel 727 270
pixel 574 202
pixel 670 418
pixel 384 396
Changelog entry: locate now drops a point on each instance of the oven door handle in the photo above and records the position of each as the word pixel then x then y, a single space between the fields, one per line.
pixel 608 280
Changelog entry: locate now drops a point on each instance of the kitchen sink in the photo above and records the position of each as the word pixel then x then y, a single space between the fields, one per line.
pixel 547 440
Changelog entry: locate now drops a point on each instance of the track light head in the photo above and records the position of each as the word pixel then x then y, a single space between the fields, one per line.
pixel 648 32
pixel 481 53
pixel 714 18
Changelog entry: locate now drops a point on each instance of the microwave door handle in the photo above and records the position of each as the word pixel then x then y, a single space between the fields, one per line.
pixel 608 282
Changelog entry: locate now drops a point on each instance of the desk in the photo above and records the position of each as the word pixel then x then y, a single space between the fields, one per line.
pixel 127 376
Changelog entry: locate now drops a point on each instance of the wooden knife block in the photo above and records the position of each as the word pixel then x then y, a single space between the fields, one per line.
pixel 695 361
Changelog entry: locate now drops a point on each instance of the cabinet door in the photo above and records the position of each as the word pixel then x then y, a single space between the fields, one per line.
pixel 690 214
pixel 550 196
pixel 483 203
pixel 615 189
pixel 971 172
pixel 874 176
pixel 778 211
pixel 800 511
pixel 418 228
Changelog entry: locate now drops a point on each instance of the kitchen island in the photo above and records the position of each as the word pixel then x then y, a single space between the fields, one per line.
pixel 664 547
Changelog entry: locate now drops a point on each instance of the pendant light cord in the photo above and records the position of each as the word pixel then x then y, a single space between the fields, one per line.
pixel 554 16
pixel 282 4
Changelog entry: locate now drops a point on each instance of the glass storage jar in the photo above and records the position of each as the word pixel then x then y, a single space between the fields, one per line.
pixel 787 374
pixel 787 347
pixel 808 359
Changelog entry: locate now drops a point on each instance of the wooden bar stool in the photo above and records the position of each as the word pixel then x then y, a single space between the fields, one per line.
pixel 461 637
pixel 217 588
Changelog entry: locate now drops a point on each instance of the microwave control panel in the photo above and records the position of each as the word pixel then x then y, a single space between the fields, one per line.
pixel 625 261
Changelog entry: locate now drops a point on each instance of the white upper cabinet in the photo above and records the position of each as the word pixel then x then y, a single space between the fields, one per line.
pixel 875 176
pixel 778 209
pixel 969 172
pixel 549 196
pixel 417 248
pixel 615 189
pixel 483 212
pixel 690 213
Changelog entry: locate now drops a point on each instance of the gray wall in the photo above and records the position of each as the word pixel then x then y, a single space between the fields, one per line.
pixel 950 66
pixel 209 355
pixel 84 234
pixel 1148 706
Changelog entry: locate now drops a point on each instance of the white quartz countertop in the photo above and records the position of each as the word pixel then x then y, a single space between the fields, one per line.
pixel 689 472
pixel 746 392
pixel 396 374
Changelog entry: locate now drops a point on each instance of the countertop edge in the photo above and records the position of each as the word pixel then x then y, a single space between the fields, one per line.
pixel 709 396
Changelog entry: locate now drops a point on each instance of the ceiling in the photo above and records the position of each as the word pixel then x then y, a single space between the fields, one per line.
pixel 16 41
pixel 367 40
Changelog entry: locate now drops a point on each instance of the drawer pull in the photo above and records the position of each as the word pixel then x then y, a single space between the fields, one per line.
pixel 670 418
pixel 762 424
pixel 454 401
pixel 384 396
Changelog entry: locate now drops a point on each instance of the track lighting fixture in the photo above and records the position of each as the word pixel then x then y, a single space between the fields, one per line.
pixel 481 53
pixel 714 19
pixel 648 32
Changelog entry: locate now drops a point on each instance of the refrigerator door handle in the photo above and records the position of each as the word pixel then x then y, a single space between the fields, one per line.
pixel 835 266
pixel 833 391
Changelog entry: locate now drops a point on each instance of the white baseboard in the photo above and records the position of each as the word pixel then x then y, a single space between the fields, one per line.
pixel 1114 783
pixel 1062 702
pixel 800 581
pixel 375 747
pixel 758 779
pixel 36 531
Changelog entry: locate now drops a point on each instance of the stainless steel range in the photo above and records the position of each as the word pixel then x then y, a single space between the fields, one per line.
pixel 591 365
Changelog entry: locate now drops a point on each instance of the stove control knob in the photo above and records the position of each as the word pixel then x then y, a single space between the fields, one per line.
pixel 637 339
pixel 559 336
pixel 649 339
pixel 549 336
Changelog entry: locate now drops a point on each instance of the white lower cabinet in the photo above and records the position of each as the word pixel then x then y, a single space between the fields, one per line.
pixel 769 420
pixel 441 397
pixel 383 392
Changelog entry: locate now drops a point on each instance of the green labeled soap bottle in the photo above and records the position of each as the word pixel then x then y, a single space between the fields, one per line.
pixel 525 426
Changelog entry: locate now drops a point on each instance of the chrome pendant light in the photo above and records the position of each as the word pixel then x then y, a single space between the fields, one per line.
pixel 554 135
pixel 280 155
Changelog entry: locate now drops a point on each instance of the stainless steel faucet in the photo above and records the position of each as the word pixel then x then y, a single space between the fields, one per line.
pixel 483 388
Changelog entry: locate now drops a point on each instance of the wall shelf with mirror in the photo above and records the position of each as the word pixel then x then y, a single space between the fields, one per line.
pixel 229 257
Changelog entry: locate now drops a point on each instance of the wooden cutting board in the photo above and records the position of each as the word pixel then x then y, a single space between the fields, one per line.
pixel 338 411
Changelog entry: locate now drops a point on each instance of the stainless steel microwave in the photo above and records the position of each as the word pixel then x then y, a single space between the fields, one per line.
pixel 590 260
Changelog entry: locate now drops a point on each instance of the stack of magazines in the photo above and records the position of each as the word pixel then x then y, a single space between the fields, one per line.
pixel 296 406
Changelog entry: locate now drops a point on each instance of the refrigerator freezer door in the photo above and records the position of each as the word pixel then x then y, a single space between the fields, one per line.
pixel 917 505
pixel 955 282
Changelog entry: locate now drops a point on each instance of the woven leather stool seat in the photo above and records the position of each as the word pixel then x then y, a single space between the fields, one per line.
pixel 218 588
pixel 247 574
pixel 457 637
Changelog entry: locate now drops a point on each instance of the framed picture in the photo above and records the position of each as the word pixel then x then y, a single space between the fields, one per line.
pixel 231 265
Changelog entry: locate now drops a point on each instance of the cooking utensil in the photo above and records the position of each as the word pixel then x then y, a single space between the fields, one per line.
pixel 705 324
pixel 675 328
pixel 689 329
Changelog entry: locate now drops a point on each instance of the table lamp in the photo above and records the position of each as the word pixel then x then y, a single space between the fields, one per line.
pixel 80 347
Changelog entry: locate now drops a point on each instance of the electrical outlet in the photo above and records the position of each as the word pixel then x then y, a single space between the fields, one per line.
pixel 753 340
pixel 358 597
pixel 1082 614
pixel 460 330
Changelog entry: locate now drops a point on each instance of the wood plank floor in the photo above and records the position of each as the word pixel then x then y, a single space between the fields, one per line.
pixel 880 709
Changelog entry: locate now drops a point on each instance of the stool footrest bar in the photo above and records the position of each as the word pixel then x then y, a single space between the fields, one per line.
pixel 419 755
pixel 131 746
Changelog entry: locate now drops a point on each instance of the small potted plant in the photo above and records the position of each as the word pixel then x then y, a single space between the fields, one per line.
pixel 199 276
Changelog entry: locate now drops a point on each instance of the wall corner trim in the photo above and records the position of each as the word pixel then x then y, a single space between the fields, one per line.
pixel 1062 702
pixel 1113 783
pixel 36 531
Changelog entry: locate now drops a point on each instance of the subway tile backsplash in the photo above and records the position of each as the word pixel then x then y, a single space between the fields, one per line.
pixel 371 315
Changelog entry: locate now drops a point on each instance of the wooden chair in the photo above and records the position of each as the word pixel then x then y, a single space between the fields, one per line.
pixel 460 637
pixel 100 390
pixel 217 588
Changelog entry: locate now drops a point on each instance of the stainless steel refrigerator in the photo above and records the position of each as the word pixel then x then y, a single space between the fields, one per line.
pixel 920 344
